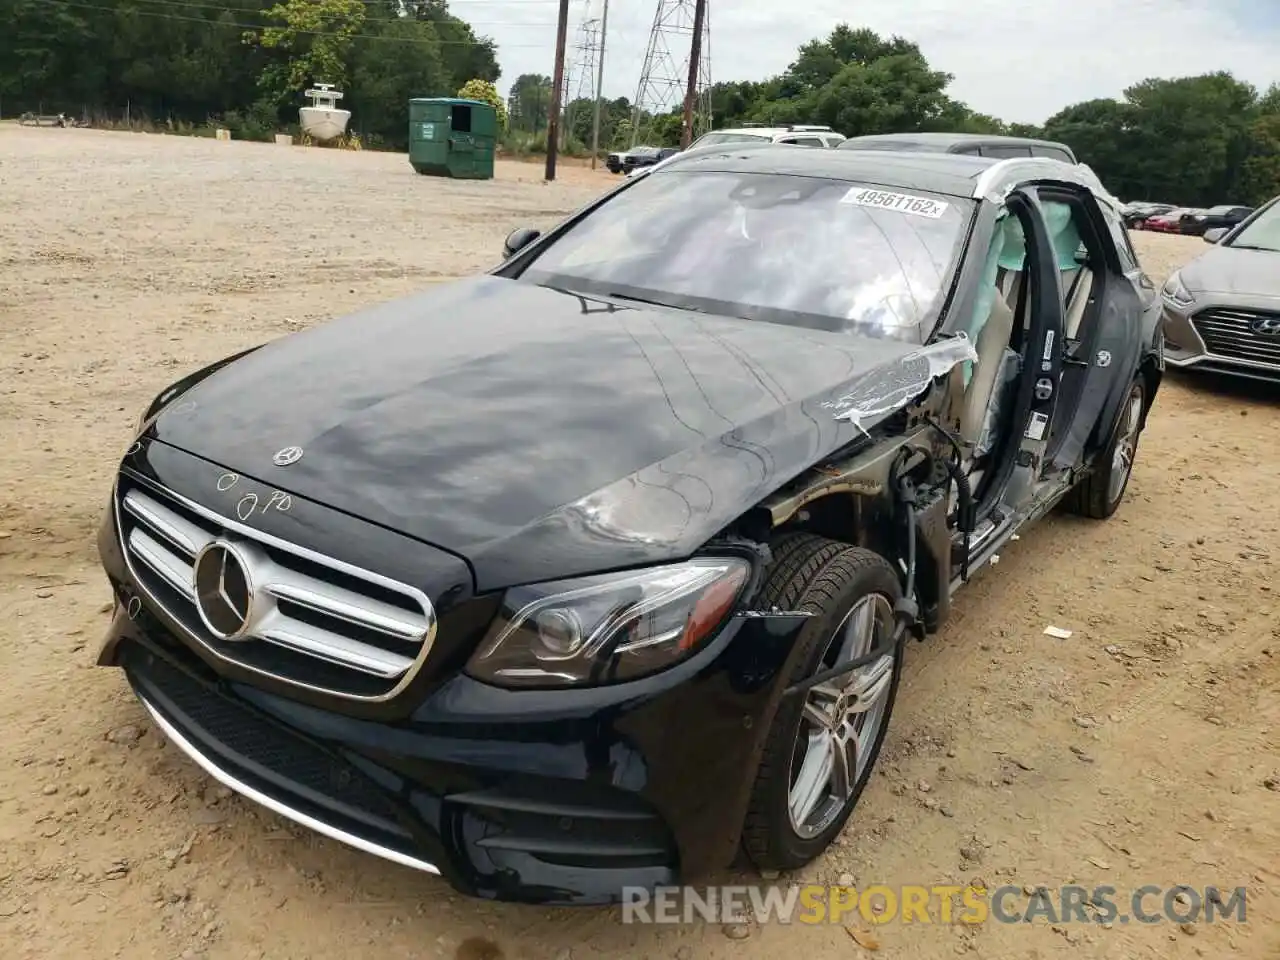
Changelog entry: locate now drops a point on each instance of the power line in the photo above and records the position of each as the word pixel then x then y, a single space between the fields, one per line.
pixel 314 33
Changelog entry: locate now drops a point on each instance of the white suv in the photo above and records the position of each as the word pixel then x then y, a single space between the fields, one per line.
pixel 798 134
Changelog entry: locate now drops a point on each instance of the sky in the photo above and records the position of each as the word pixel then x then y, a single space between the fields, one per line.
pixel 1019 60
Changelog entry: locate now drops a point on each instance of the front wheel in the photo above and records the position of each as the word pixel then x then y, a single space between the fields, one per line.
pixel 1099 494
pixel 823 744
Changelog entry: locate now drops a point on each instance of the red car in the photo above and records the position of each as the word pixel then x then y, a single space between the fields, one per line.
pixel 1170 222
pixel 1135 215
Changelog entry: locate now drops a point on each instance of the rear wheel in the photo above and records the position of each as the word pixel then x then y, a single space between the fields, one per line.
pixel 823 744
pixel 1099 494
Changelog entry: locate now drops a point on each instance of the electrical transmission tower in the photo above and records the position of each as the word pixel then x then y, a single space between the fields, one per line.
pixel 665 75
pixel 585 51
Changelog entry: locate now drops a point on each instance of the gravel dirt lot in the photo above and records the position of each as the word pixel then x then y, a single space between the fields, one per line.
pixel 1144 749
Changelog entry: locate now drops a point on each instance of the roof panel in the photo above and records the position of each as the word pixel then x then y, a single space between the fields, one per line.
pixel 951 174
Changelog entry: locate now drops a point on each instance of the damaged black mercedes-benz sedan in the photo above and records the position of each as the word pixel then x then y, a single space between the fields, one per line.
pixel 596 570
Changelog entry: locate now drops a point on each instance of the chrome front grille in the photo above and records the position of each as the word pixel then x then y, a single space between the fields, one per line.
pixel 306 619
pixel 1229 333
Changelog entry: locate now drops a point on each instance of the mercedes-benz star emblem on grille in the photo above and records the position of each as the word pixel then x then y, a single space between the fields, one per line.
pixel 287 456
pixel 224 592
pixel 1267 326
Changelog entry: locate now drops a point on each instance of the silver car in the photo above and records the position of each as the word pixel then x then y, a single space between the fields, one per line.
pixel 1222 310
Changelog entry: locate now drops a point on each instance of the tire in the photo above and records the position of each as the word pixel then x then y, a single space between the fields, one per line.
pixel 833 581
pixel 1100 493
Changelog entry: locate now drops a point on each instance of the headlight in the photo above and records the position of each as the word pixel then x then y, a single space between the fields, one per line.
pixel 605 629
pixel 1175 291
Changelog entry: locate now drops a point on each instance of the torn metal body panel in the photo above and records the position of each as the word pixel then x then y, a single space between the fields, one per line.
pixel 896 384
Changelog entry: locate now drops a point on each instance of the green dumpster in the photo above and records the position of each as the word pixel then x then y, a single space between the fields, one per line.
pixel 452 138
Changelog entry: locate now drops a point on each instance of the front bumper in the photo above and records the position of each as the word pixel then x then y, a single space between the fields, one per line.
pixel 540 796
pixel 1216 336
pixel 359 825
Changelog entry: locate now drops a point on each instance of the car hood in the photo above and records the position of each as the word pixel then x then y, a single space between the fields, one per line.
pixel 1235 271
pixel 535 432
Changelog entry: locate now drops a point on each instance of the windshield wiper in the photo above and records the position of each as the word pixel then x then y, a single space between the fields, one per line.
pixel 653 303
pixel 1250 246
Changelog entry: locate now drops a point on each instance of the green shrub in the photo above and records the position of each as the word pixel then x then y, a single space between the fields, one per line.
pixel 259 122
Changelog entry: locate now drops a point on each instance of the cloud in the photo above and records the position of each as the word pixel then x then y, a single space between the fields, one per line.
pixel 1017 60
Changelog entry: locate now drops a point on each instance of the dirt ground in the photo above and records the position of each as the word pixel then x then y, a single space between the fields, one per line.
pixel 1144 749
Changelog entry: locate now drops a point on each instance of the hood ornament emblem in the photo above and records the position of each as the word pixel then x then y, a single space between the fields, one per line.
pixel 287 456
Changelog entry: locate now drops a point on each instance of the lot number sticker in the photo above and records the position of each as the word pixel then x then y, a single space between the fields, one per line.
pixel 901 202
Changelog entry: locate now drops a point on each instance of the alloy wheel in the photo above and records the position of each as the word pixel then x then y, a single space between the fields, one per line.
pixel 841 720
pixel 1126 446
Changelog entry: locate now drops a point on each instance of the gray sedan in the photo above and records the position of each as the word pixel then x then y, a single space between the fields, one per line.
pixel 1222 310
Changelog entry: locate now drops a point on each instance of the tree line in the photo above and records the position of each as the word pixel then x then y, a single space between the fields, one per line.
pixel 244 64
pixel 240 63
pixel 1197 141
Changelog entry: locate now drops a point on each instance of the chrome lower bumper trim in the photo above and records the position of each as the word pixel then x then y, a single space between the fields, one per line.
pixel 1221 364
pixel 319 826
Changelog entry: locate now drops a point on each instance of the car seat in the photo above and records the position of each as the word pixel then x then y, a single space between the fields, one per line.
pixel 995 317
pixel 1072 257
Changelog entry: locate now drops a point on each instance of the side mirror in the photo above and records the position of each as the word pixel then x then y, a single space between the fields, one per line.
pixel 1216 234
pixel 518 239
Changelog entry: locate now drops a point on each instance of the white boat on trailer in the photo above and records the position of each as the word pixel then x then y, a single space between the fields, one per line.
pixel 323 120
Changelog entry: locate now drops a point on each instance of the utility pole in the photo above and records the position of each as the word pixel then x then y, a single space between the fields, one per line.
pixel 691 91
pixel 595 119
pixel 557 88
